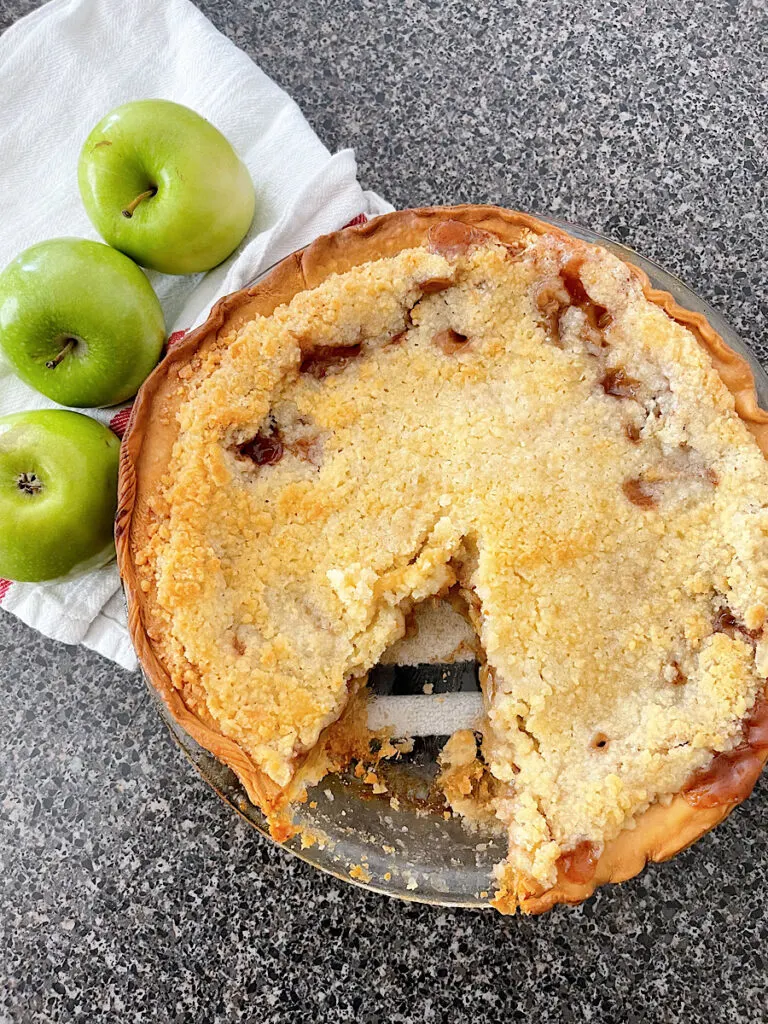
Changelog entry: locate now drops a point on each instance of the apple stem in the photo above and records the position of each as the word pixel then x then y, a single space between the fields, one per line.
pixel 128 211
pixel 53 363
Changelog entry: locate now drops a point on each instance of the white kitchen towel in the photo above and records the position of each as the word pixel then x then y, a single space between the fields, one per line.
pixel 61 69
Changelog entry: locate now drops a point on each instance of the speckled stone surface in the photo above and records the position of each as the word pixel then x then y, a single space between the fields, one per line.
pixel 128 892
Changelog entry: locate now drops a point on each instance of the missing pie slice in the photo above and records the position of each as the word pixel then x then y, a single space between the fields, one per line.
pixel 465 399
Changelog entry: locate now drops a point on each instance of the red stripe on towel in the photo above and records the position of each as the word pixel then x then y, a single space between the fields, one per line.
pixel 176 337
pixel 119 421
pixel 359 219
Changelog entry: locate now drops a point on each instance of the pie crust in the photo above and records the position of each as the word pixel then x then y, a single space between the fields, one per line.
pixel 658 832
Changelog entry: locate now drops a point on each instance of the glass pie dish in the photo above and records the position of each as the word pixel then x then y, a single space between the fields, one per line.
pixel 395 836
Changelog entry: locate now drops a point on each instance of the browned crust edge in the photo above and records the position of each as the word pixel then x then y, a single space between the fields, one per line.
pixel 661 831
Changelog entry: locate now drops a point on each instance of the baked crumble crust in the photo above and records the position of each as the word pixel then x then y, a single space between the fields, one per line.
pixel 521 418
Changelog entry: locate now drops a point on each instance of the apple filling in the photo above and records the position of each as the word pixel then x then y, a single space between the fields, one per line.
pixel 328 359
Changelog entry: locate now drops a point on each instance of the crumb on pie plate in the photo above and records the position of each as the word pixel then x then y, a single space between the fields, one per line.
pixel 464 401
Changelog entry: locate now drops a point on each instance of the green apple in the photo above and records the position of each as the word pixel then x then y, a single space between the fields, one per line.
pixel 163 185
pixel 79 322
pixel 58 494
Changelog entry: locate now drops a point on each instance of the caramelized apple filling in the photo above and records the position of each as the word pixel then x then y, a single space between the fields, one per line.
pixel 578 864
pixel 639 492
pixel 682 473
pixel 453 238
pixel 726 622
pixel 265 449
pixel 618 384
pixel 433 285
pixel 597 316
pixel 450 341
pixel 552 299
pixel 323 360
pixel 566 290
pixel 731 776
pixel 286 432
pixel 676 676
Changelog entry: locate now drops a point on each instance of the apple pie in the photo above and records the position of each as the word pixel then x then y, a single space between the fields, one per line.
pixel 468 400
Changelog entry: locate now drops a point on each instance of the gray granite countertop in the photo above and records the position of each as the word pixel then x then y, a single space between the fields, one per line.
pixel 127 890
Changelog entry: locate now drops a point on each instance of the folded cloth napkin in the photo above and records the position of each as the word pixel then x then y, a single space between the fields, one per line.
pixel 61 69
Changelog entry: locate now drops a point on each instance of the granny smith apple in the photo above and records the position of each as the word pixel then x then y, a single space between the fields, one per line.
pixel 58 494
pixel 79 322
pixel 163 185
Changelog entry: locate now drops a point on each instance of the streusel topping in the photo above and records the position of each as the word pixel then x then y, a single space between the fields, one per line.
pixel 523 422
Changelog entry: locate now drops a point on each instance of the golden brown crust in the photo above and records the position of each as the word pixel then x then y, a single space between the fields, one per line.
pixel 661 831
